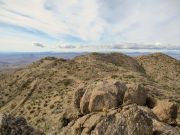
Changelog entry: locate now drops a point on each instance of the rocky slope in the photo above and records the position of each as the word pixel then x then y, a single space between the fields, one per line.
pixel 162 69
pixel 165 71
pixel 113 92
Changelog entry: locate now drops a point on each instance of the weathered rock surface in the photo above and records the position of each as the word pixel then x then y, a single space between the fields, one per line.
pixel 78 94
pixel 166 111
pixel 102 95
pixel 136 94
pixel 148 112
pixel 128 121
pixel 10 125
pixel 161 128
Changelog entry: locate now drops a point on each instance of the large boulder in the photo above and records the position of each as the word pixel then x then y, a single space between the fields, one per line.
pixel 135 94
pixel 102 95
pixel 128 121
pixel 166 111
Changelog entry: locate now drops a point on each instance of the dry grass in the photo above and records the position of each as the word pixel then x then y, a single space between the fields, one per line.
pixel 58 78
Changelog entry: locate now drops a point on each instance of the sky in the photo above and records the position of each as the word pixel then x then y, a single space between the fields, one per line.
pixel 89 25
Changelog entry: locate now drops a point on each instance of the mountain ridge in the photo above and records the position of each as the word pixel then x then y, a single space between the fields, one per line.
pixel 42 92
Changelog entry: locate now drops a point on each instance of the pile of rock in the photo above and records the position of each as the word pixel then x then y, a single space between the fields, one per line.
pixel 112 108
pixel 107 95
pixel 128 121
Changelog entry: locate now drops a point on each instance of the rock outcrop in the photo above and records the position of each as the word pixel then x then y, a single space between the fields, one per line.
pixel 136 93
pixel 166 111
pixel 160 128
pixel 10 125
pixel 78 94
pixel 99 96
pixel 128 121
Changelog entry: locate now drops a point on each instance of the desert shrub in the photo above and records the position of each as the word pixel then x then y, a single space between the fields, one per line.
pixel 28 118
pixel 94 53
pixel 129 76
pixel 51 106
pixel 6 94
pixel 67 82
pixel 44 113
pixel 45 104
pixel 114 76
pixel 32 111
pixel 21 111
pixel 13 105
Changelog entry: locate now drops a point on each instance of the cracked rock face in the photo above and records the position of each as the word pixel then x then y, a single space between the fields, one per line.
pixel 161 128
pixel 130 120
pixel 136 94
pixel 99 96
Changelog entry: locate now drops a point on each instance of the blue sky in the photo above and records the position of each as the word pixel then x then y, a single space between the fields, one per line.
pixel 81 25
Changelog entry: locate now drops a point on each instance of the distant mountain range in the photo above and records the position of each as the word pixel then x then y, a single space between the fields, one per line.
pixel 20 59
pixel 15 60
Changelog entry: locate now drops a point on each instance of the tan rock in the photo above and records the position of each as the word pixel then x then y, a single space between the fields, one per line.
pixel 102 95
pixel 136 94
pixel 129 121
pixel 160 128
pixel 166 111
pixel 84 103
pixel 77 97
pixel 100 100
pixel 148 112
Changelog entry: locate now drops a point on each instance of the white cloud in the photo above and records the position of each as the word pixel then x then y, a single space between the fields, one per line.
pixel 97 23
pixel 39 45
pixel 144 21
pixel 56 17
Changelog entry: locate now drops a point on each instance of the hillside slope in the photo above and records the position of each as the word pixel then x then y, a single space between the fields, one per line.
pixel 163 69
pixel 43 91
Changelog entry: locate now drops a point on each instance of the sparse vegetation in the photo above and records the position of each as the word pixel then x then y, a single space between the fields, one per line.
pixel 56 80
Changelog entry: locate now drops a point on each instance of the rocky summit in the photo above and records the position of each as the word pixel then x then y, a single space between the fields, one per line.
pixel 92 94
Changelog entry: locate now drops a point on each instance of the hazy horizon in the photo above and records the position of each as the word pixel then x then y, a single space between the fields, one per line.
pixel 70 54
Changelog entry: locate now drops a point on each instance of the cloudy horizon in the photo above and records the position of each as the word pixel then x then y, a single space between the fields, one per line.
pixel 74 25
